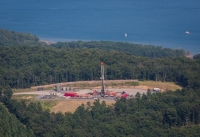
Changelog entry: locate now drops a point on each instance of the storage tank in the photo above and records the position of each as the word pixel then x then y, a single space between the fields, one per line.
pixel 64 88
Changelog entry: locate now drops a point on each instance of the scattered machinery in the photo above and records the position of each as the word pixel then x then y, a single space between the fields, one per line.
pixel 124 95
pixel 95 94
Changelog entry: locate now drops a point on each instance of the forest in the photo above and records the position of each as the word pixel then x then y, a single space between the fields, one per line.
pixel 172 113
pixel 26 66
pixel 12 38
pixel 133 49
pixel 26 62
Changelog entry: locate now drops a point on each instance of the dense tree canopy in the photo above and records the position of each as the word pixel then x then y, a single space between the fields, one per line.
pixel 134 49
pixel 171 113
pixel 197 56
pixel 10 126
pixel 12 38
pixel 162 114
pixel 25 66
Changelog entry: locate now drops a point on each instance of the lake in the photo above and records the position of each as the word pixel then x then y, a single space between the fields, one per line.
pixel 160 23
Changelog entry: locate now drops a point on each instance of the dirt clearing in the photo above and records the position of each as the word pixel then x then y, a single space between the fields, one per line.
pixel 83 87
pixel 72 105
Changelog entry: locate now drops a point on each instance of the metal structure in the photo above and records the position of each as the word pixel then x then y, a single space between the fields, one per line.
pixel 102 80
pixel 58 87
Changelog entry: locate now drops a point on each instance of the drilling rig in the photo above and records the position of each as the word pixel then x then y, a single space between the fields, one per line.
pixel 102 80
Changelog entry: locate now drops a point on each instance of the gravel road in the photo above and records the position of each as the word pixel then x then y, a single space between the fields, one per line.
pixel 130 91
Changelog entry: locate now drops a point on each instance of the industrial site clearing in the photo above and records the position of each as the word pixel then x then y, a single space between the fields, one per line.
pixel 67 96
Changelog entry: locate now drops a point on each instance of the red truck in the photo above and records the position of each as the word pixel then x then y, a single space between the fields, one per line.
pixel 71 94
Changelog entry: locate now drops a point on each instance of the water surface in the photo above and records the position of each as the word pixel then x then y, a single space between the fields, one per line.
pixel 154 22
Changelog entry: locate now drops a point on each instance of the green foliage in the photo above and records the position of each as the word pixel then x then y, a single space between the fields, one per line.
pixel 197 56
pixel 25 66
pixel 8 92
pixel 161 114
pixel 134 49
pixel 10 126
pixel 5 94
pixel 132 83
pixel 11 38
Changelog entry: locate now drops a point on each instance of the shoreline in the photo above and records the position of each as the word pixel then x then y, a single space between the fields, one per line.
pixel 50 41
pixel 190 56
pixel 47 42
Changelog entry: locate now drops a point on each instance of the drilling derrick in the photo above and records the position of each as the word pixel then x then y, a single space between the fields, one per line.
pixel 102 80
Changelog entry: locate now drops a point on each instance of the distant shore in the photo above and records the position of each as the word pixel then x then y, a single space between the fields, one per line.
pixel 49 41
pixel 190 56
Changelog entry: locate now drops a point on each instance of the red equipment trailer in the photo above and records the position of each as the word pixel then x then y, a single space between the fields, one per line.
pixel 71 94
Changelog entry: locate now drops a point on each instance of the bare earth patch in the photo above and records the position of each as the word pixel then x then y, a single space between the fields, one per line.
pixel 162 85
pixel 26 97
pixel 115 84
pixel 29 97
pixel 72 105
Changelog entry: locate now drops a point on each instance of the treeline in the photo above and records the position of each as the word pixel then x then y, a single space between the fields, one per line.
pixel 25 66
pixel 12 38
pixel 161 114
pixel 134 49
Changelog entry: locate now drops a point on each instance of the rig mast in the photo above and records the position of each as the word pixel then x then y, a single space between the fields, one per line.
pixel 102 80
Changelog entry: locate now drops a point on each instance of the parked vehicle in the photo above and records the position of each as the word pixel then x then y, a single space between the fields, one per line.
pixel 71 94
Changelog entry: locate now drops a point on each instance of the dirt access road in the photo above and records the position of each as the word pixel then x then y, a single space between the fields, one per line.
pixel 130 91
